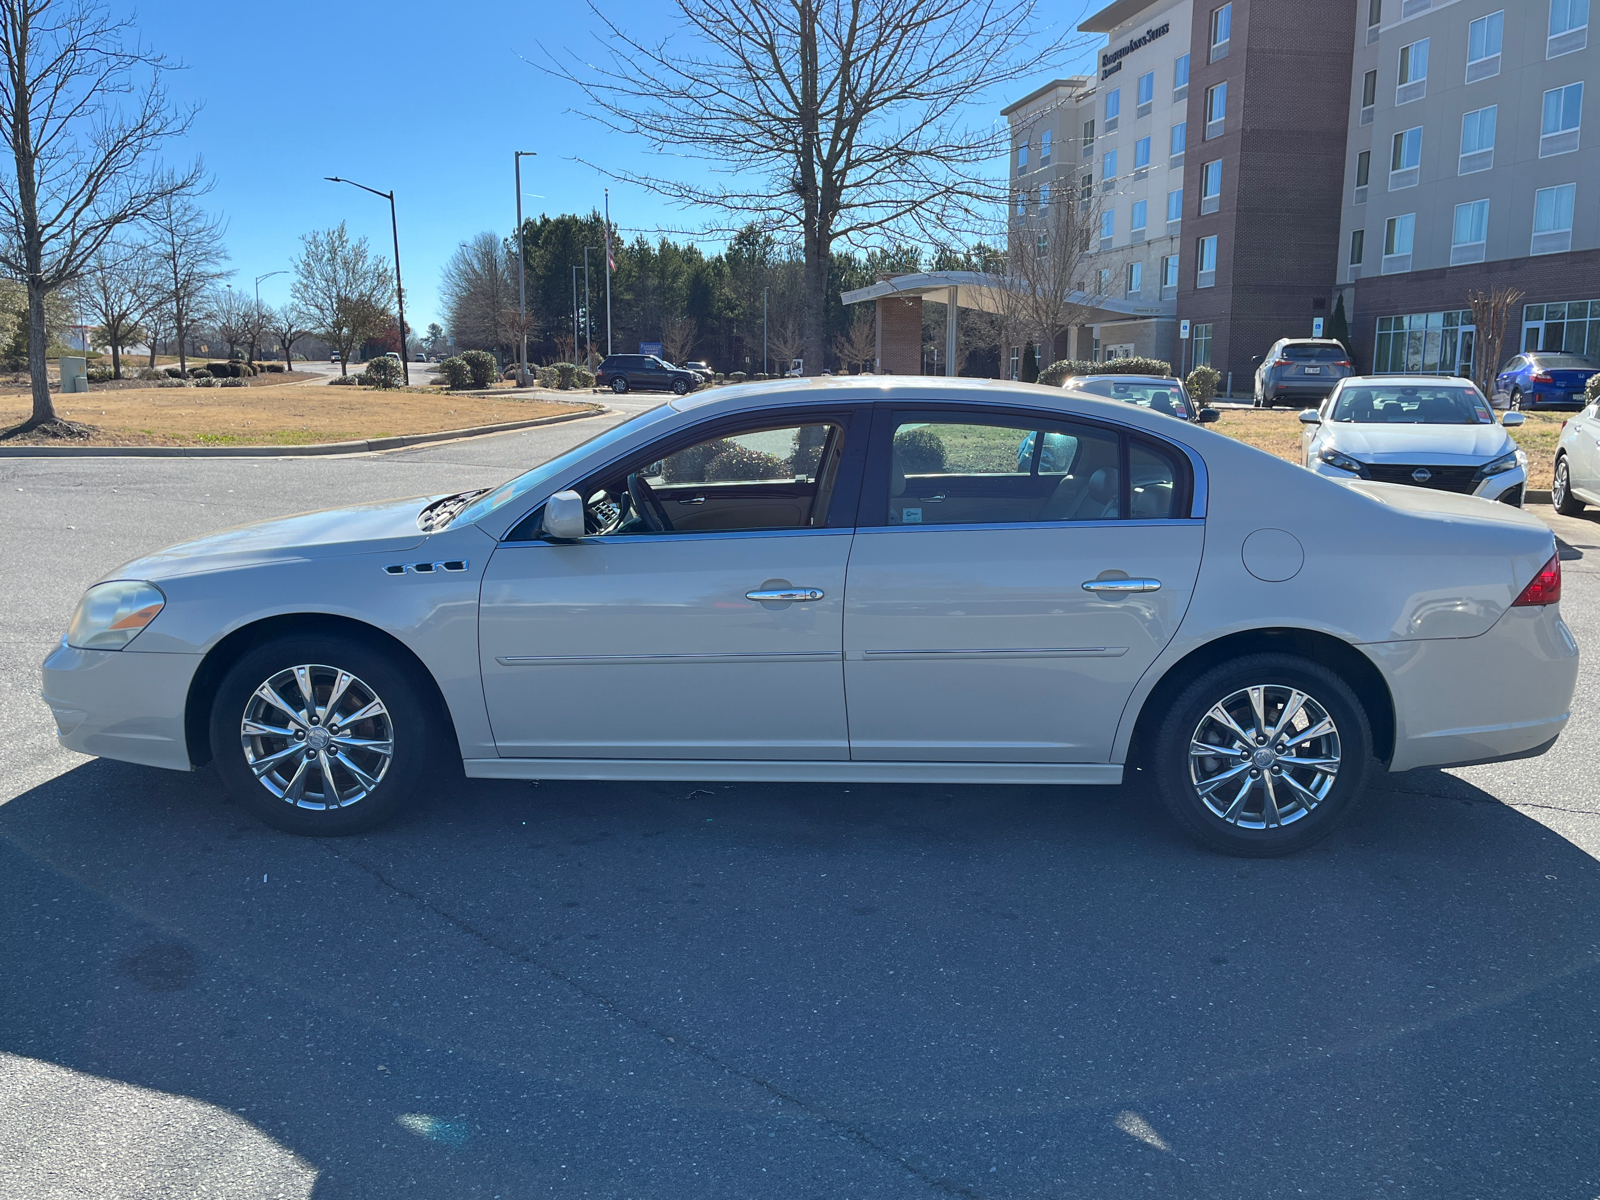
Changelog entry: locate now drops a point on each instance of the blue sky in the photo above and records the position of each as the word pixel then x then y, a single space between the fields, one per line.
pixel 427 99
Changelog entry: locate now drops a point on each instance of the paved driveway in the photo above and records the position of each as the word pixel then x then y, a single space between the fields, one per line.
pixel 664 990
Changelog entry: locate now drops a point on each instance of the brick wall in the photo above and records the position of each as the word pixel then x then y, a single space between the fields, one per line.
pixel 1282 151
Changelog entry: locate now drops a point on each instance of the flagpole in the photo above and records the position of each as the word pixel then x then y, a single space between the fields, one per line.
pixel 608 271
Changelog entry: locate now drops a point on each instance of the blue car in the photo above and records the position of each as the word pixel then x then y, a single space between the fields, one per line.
pixel 1544 379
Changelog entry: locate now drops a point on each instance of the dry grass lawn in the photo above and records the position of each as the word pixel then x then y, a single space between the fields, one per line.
pixel 1277 431
pixel 268 415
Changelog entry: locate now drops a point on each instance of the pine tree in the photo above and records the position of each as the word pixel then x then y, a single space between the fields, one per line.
pixel 1030 364
pixel 1339 325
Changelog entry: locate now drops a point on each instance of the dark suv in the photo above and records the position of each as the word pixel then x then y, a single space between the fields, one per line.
pixel 1300 371
pixel 624 372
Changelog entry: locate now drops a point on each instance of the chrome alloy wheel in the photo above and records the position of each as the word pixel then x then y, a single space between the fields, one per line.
pixel 1264 756
pixel 317 737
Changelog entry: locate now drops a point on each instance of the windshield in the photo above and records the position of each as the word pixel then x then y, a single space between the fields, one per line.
pixel 530 481
pixel 1566 362
pixel 1164 397
pixel 1313 353
pixel 1408 404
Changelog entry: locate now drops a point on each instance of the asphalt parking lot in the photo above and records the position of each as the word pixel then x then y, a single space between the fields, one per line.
pixel 668 990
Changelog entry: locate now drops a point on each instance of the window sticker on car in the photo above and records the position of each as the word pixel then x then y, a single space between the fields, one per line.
pixel 911 516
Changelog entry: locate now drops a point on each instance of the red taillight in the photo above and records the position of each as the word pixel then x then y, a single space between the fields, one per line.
pixel 1283 362
pixel 1545 587
pixel 1542 377
pixel 1344 362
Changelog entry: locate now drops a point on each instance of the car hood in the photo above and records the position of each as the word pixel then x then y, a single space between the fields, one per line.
pixel 387 526
pixel 1442 444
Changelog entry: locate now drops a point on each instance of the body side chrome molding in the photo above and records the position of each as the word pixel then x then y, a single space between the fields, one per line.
pixel 793 771
pixel 646 660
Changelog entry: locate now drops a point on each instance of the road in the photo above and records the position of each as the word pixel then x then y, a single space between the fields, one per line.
pixel 666 990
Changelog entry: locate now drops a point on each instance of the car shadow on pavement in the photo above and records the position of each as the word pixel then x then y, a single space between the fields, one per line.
pixel 738 990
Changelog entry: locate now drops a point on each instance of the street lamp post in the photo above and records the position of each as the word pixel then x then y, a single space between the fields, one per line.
pixel 257 315
pixel 522 289
pixel 764 367
pixel 399 292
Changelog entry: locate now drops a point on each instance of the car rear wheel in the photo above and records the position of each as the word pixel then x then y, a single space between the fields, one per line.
pixel 1516 399
pixel 1561 490
pixel 1262 756
pixel 320 735
pixel 619 385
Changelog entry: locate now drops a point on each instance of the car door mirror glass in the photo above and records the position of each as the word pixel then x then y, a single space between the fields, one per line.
pixel 1512 419
pixel 563 517
pixel 1310 416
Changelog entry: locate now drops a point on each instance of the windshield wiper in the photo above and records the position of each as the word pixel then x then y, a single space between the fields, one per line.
pixel 440 513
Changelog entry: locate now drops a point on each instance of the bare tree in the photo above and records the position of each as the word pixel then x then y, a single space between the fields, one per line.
pixel 83 114
pixel 858 345
pixel 480 288
pixel 188 245
pixel 286 325
pixel 785 341
pixel 343 288
pixel 678 336
pixel 1491 311
pixel 831 119
pixel 232 317
pixel 118 289
pixel 1051 279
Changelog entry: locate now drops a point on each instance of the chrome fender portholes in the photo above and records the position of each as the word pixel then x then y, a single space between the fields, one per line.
pixel 454 564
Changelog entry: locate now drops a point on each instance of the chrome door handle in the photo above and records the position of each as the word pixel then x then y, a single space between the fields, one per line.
pixel 1122 585
pixel 796 595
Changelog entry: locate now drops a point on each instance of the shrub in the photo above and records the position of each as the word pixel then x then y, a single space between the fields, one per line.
pixel 99 374
pixel 225 370
pixel 1202 385
pixel 152 373
pixel 565 374
pixel 717 376
pixel 274 368
pixel 740 462
pixel 547 376
pixel 172 372
pixel 759 376
pixel 1591 390
pixel 231 382
pixel 200 373
pixel 382 372
pixel 919 451
pixel 1056 372
pixel 165 382
pixel 456 372
pixel 582 377
pixel 736 377
pixel 482 365
pixel 204 381
pixel 689 466
pixel 346 380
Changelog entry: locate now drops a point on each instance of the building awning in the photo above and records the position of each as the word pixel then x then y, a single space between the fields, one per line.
pixel 983 292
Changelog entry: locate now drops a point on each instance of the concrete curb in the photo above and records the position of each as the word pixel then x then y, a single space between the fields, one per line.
pixel 1532 497
pixel 366 446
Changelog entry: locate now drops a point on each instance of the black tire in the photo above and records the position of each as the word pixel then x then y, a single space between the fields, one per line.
pixel 1281 675
pixel 619 385
pixel 680 387
pixel 1516 400
pixel 412 729
pixel 1561 490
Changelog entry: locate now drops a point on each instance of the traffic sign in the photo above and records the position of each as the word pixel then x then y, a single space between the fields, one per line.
pixel 1316 326
pixel 1183 330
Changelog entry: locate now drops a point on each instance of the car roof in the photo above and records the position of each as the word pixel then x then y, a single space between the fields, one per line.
pixel 1420 380
pixel 1311 342
pixel 1126 377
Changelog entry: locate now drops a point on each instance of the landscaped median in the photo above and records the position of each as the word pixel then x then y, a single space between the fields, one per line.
pixel 1277 431
pixel 282 416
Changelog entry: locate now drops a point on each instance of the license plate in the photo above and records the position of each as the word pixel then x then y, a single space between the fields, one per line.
pixel 1312 370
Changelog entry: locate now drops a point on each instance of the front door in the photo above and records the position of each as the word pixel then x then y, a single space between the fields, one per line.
pixel 704 619
pixel 969 631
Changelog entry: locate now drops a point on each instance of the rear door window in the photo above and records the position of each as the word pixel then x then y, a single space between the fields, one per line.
pixel 961 469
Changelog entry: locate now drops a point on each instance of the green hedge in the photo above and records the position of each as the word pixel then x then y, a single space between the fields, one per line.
pixel 482 365
pixel 381 372
pixel 1057 372
pixel 1202 384
pixel 456 372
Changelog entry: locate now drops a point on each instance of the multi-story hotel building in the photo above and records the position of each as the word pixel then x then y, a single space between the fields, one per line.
pixel 1260 160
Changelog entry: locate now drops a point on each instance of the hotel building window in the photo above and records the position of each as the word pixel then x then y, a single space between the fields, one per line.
pixel 1088 139
pixel 1483 46
pixel 1397 237
pixel 1169 276
pixel 1572 327
pixel 1211 187
pixel 1216 109
pixel 1569 27
pixel 1413 80
pixel 1135 280
pixel 1469 233
pixel 1044 200
pixel 1108 165
pixel 1477 140
pixel 1180 138
pixel 1563 110
pixel 1136 223
pixel 1022 157
pixel 1180 77
pixel 1369 95
pixel 1108 228
pixel 1146 93
pixel 1205 262
pixel 1113 108
pixel 1363 176
pixel 1374 19
pixel 1175 205
pixel 1044 148
pixel 1202 345
pixel 1141 154
pixel 1221 31
pixel 1552 218
pixel 1405 159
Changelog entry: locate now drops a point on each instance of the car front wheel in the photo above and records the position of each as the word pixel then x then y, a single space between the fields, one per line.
pixel 320 735
pixel 1561 490
pixel 619 385
pixel 1262 756
pixel 680 387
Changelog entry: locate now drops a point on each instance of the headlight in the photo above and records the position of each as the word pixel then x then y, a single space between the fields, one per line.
pixel 1506 462
pixel 111 615
pixel 1342 462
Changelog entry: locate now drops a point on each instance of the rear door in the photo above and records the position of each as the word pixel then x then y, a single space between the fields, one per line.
pixel 1012 578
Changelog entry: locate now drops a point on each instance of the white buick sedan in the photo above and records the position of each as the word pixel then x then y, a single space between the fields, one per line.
pixel 853 579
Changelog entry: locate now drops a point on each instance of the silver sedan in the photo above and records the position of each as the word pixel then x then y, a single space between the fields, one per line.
pixel 845 580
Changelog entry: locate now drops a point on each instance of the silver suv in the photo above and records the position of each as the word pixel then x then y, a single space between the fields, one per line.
pixel 1300 372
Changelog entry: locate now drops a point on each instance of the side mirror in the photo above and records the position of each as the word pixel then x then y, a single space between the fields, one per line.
pixel 563 518
pixel 1309 416
pixel 1208 415
pixel 1255 360
pixel 1512 419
